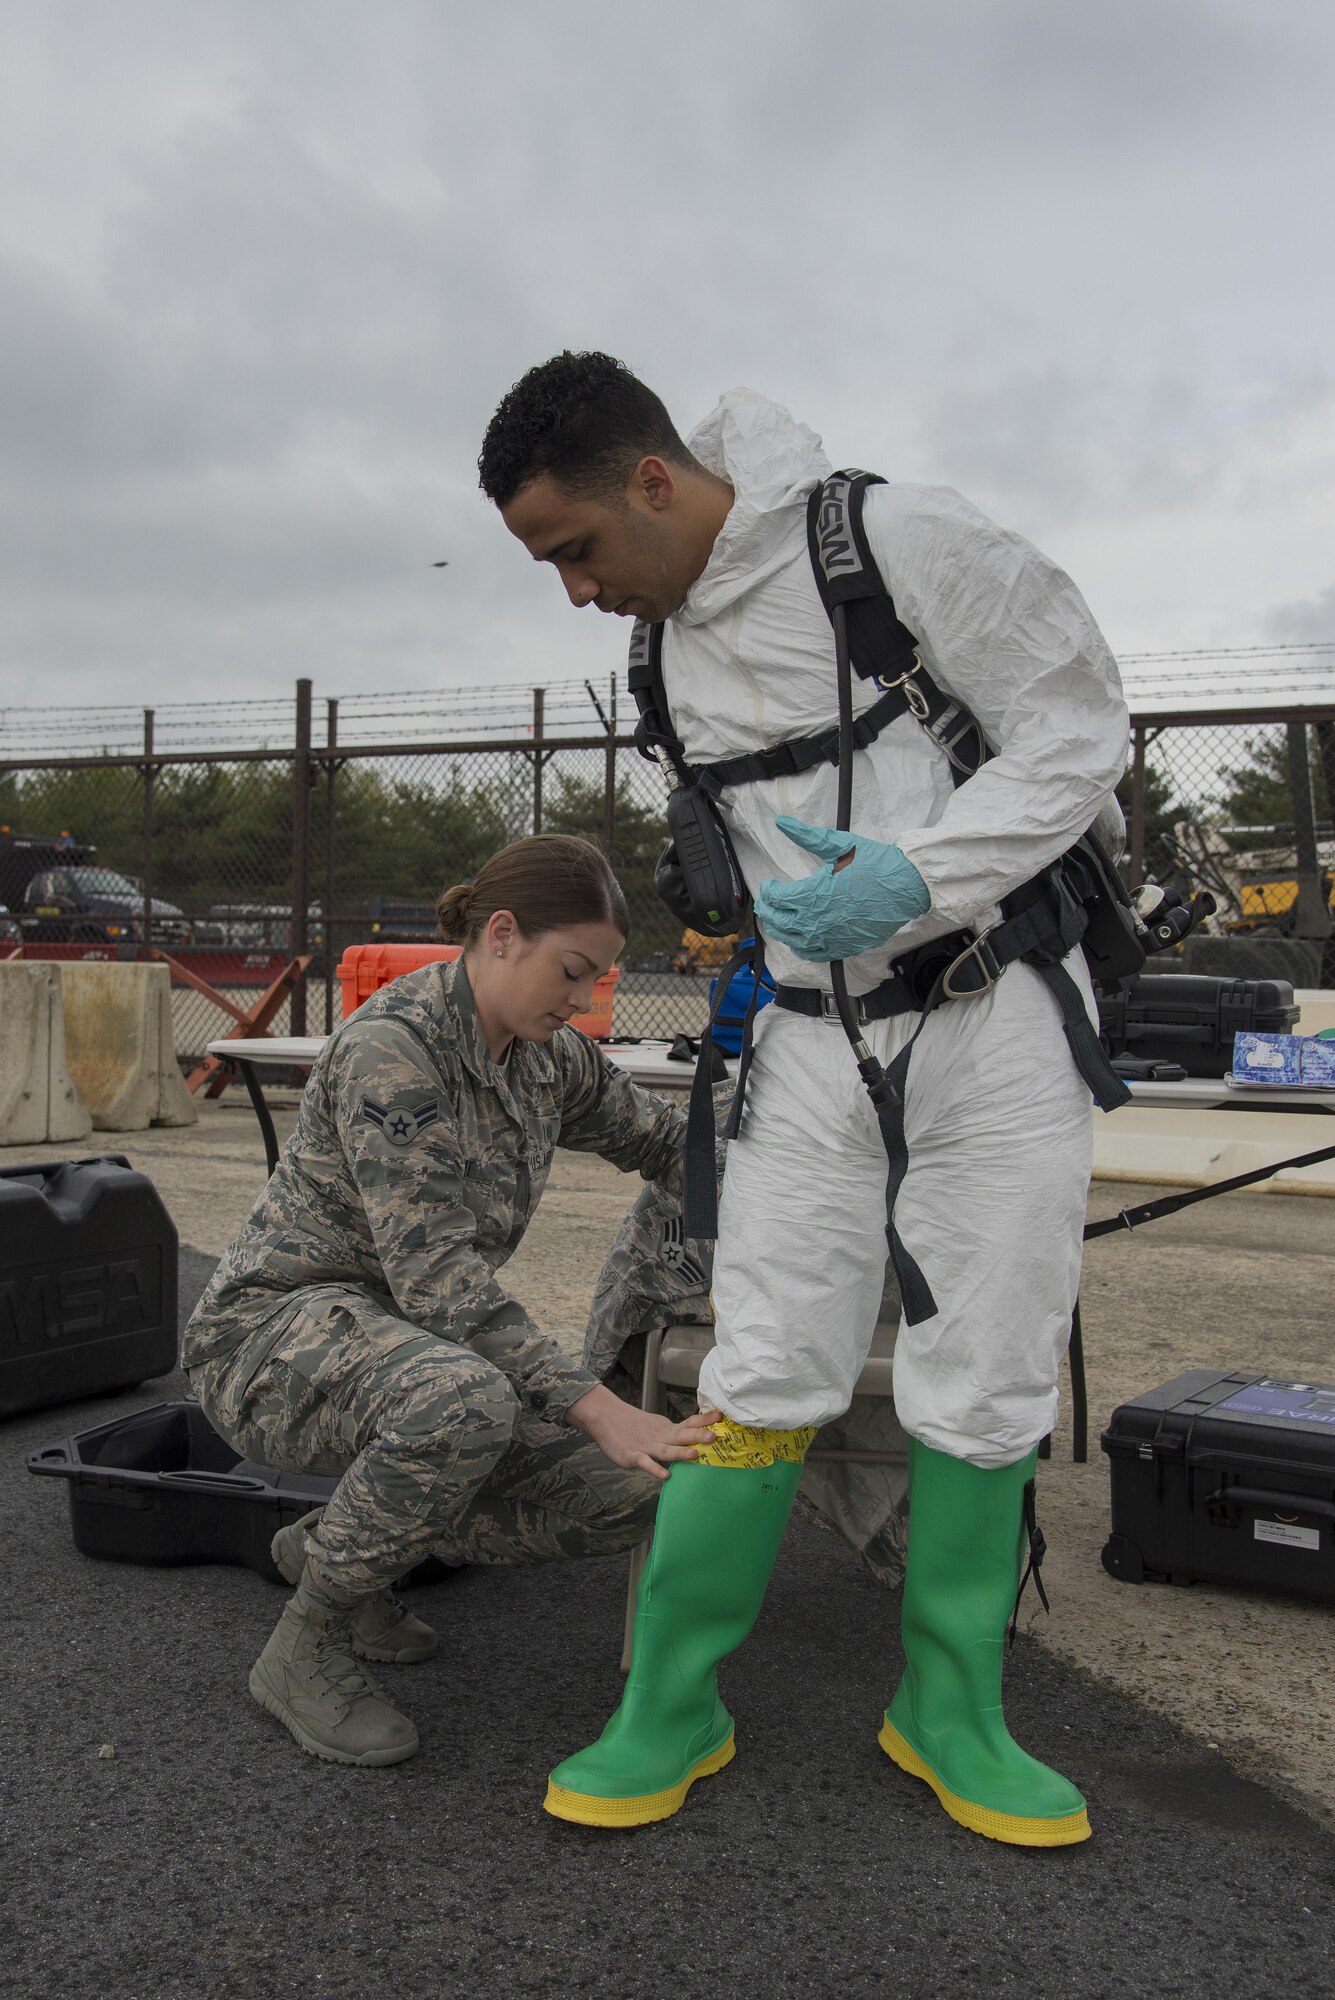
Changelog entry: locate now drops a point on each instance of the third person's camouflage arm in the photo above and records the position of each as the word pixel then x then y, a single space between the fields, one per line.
pixel 604 1112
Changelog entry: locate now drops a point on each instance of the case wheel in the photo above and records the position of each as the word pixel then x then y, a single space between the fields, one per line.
pixel 1122 1559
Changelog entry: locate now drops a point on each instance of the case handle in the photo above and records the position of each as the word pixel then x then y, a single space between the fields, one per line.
pixel 1283 1503
pixel 55 1458
pixel 225 1482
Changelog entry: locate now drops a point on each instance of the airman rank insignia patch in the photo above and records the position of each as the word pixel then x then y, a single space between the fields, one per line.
pixel 403 1123
pixel 674 1254
pixel 672 1242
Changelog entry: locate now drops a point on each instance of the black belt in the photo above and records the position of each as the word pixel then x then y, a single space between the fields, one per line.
pixel 893 997
pixel 966 960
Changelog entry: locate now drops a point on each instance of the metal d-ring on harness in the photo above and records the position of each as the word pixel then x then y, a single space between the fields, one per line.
pixel 1077 900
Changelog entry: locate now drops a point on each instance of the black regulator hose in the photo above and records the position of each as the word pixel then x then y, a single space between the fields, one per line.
pixel 843 817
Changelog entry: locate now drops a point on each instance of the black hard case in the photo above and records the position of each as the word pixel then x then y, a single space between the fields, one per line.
pixel 1178 1017
pixel 161 1487
pixel 1201 1493
pixel 87 1281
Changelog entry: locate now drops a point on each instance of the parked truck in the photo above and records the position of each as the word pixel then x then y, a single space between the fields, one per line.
pixel 56 893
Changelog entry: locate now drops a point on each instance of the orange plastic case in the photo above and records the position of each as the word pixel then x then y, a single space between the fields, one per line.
pixel 365 968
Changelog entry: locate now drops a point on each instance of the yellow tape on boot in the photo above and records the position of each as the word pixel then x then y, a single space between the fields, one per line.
pixel 745 1447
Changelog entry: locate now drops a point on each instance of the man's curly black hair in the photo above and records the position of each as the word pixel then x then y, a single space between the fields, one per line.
pixel 582 418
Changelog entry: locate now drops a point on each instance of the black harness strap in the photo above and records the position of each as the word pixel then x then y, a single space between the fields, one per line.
pixel 1088 1053
pixel 734 1124
pixel 889 1100
pixel 801 753
pixel 655 738
pixel 699 1208
pixel 882 647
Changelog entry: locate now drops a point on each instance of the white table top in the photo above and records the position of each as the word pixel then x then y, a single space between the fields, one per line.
pixel 285 1051
pixel 1215 1093
pixel 645 1061
pixel 648 1063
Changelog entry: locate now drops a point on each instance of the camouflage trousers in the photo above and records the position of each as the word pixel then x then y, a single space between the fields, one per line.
pixel 437 1453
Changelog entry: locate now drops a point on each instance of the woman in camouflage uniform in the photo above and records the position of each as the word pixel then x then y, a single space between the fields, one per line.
pixel 356 1325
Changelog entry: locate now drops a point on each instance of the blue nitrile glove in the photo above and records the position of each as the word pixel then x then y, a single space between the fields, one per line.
pixel 829 915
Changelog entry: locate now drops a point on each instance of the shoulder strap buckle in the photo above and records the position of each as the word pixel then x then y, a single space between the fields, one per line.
pixel 913 695
pixel 953 727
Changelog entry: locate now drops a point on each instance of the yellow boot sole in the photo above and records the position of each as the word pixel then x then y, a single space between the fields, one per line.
pixel 586 1810
pixel 1014 1828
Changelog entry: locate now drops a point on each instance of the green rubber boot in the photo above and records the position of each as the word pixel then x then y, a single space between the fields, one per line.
pixel 717 1535
pixel 945 1725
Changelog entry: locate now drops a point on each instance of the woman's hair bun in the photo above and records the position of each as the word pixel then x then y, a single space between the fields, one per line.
pixel 452 912
pixel 546 881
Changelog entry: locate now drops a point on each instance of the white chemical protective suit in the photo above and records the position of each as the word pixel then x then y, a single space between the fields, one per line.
pixel 998 1121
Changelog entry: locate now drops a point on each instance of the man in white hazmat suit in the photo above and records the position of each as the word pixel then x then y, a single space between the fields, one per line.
pixel 711 536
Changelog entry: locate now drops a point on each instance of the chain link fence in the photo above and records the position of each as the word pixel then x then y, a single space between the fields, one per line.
pixel 1241 804
pixel 344 822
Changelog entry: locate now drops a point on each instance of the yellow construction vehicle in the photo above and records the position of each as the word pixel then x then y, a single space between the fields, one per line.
pixel 1267 891
pixel 698 953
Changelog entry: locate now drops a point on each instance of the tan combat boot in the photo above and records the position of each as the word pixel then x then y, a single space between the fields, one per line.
pixel 307 1677
pixel 382 1628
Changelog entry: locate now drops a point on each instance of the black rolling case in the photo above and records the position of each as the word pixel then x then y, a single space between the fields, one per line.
pixel 1225 1479
pixel 1176 1017
pixel 87 1281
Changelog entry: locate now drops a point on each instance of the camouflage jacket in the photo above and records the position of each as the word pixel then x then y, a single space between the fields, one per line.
pixel 412 1173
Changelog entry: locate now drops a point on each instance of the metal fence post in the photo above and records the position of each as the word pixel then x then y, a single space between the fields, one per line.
pixel 610 773
pixel 538 760
pixel 330 840
pixel 1311 910
pixel 150 775
pixel 1137 827
pixel 301 845
pixel 1325 744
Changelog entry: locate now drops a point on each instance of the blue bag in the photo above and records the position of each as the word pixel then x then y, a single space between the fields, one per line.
pixel 728 1024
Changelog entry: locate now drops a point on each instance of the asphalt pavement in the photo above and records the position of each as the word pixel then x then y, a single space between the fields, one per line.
pixel 210 1858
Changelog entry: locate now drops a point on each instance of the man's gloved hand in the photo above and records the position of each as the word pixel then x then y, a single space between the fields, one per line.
pixel 838 913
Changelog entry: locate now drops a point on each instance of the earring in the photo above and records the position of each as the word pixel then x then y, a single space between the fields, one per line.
pixel 500 951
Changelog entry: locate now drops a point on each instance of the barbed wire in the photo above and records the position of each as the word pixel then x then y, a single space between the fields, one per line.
pixel 1282 670
pixel 1257 692
pixel 1237 652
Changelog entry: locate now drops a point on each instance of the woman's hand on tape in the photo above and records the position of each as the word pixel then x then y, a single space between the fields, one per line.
pixel 639 1440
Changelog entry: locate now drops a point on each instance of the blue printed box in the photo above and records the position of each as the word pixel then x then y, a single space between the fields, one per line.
pixel 1318 1062
pixel 1294 1061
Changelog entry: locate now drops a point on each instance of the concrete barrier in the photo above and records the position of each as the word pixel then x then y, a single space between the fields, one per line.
pixel 121 1048
pixel 1191 1148
pixel 38 1096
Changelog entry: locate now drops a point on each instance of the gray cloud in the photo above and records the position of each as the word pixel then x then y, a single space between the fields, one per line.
pixel 1312 619
pixel 265 272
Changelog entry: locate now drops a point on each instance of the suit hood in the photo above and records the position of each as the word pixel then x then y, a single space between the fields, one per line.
pixel 771 462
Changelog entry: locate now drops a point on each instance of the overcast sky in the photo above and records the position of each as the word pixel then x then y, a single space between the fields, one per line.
pixel 268 265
